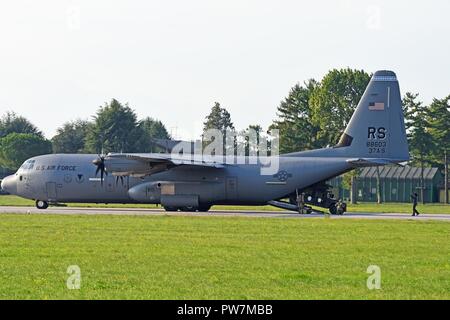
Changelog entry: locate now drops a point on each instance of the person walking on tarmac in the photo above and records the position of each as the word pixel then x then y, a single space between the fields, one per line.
pixel 414 198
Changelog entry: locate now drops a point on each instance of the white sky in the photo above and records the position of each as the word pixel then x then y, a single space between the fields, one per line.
pixel 60 60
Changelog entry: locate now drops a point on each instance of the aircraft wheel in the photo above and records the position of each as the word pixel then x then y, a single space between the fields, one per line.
pixel 170 208
pixel 332 209
pixel 41 204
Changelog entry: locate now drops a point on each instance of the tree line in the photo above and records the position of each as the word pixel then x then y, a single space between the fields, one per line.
pixel 114 128
pixel 312 115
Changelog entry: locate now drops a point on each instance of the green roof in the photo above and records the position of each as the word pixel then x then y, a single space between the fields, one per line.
pixel 397 172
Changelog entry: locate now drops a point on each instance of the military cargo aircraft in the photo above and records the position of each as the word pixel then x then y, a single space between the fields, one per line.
pixel 375 136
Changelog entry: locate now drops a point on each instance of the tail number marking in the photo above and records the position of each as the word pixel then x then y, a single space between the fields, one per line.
pixel 376 140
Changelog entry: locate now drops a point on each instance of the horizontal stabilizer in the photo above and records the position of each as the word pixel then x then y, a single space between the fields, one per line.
pixel 371 162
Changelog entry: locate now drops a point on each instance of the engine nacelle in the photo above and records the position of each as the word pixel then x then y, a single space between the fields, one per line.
pixel 149 192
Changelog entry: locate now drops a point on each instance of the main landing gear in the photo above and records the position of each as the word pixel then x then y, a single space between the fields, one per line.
pixel 41 204
pixel 317 195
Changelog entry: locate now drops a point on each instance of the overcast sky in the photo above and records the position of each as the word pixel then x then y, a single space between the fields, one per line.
pixel 60 60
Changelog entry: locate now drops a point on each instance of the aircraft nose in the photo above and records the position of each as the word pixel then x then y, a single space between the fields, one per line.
pixel 9 184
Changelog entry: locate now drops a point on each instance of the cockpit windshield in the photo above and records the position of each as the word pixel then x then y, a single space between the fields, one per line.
pixel 27 165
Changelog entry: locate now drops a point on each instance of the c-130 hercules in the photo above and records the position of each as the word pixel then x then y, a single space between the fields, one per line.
pixel 375 136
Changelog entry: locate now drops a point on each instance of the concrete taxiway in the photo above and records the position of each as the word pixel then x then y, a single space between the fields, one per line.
pixel 216 213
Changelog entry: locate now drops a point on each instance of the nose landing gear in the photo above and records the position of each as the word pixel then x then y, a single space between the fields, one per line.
pixel 41 204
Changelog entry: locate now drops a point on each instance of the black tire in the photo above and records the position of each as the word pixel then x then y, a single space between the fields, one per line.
pixel 333 209
pixel 41 204
pixel 171 209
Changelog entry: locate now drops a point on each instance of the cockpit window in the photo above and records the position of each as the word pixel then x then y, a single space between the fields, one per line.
pixel 28 165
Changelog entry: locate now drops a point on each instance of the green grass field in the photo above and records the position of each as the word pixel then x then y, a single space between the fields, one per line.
pixel 9 200
pixel 167 257
pixel 429 208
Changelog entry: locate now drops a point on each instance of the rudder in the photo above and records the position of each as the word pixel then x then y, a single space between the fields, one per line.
pixel 377 127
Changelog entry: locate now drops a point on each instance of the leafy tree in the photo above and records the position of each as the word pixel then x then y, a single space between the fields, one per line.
pixel 297 130
pixel 15 148
pixel 220 119
pixel 244 139
pixel 349 182
pixel 257 128
pixel 71 137
pixel 439 128
pixel 11 122
pixel 150 129
pixel 114 129
pixel 334 101
pixel 419 138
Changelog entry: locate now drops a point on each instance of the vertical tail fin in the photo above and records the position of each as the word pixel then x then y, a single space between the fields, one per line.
pixel 377 128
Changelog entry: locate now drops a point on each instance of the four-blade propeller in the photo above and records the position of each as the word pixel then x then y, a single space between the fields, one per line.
pixel 100 163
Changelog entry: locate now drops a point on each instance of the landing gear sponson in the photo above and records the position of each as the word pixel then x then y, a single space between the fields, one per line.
pixel 201 208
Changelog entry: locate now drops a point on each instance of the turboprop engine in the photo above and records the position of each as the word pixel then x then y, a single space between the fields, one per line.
pixel 149 192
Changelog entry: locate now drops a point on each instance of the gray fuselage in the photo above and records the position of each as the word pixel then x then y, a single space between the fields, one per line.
pixel 72 178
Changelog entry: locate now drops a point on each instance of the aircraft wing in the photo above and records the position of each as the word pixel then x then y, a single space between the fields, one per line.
pixel 155 157
pixel 142 164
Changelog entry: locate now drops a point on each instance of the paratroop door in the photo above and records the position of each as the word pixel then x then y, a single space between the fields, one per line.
pixel 51 190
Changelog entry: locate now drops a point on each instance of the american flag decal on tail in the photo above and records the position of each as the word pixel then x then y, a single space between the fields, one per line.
pixel 376 106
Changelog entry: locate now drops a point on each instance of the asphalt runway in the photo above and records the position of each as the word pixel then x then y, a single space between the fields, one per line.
pixel 218 213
